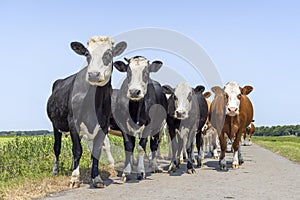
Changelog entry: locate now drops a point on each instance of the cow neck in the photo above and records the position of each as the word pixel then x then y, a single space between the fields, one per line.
pixel 138 110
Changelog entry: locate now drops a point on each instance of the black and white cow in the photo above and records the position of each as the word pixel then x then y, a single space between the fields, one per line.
pixel 81 104
pixel 139 111
pixel 187 113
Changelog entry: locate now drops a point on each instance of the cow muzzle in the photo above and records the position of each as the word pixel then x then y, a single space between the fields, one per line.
pixel 94 77
pixel 179 114
pixel 232 111
pixel 134 94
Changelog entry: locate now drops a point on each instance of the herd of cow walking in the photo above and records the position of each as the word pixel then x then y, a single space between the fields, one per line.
pixel 86 105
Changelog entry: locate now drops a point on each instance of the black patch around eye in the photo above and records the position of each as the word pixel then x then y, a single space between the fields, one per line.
pixel 129 74
pixel 145 75
pixel 189 98
pixel 107 57
pixel 88 59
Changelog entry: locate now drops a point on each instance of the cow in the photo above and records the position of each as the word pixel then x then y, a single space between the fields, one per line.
pixel 210 135
pixel 139 110
pixel 186 115
pixel 249 131
pixel 231 114
pixel 81 104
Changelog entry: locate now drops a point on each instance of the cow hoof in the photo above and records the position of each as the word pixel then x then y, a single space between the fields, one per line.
pixel 235 166
pixel 124 178
pixel 191 171
pixel 223 167
pixel 74 184
pixel 216 157
pixel 99 185
pixel 241 162
pixel 172 168
pixel 181 161
pixel 140 176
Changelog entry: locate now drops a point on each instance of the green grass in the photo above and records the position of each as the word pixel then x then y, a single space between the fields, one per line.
pixel 287 146
pixel 5 139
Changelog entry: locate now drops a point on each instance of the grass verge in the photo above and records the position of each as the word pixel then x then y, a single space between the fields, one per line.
pixel 286 146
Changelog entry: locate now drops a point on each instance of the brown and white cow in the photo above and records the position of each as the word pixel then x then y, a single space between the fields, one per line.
pixel 249 131
pixel 231 114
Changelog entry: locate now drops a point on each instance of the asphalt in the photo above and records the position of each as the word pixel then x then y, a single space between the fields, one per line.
pixel 264 175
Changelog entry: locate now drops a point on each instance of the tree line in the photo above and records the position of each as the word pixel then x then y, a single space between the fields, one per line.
pixel 277 130
pixel 25 133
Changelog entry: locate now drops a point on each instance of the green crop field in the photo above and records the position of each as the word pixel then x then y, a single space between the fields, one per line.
pixel 287 146
pixel 26 164
pixel 5 139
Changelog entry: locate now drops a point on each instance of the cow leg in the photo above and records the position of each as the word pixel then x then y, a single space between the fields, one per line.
pixel 77 152
pixel 199 143
pixel 236 147
pixel 129 143
pixel 96 153
pixel 223 144
pixel 174 144
pixel 184 152
pixel 189 149
pixel 179 148
pixel 250 136
pixel 57 147
pixel 141 154
pixel 154 145
pixel 106 148
pixel 241 160
pixel 215 145
pixel 244 138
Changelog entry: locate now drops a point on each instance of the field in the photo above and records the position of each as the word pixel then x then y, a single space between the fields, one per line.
pixel 26 165
pixel 287 146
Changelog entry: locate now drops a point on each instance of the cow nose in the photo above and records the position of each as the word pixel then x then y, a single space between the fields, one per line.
pixel 134 93
pixel 94 76
pixel 232 109
pixel 180 114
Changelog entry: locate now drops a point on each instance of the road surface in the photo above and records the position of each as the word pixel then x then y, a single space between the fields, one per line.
pixel 264 175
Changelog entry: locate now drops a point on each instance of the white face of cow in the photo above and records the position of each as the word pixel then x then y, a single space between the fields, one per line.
pixel 233 96
pixel 99 55
pixel 100 61
pixel 138 78
pixel 138 70
pixel 183 100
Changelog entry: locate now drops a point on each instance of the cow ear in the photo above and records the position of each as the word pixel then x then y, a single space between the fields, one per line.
pixel 199 89
pixel 120 66
pixel 79 49
pixel 167 89
pixel 217 90
pixel 155 66
pixel 119 48
pixel 246 90
pixel 207 95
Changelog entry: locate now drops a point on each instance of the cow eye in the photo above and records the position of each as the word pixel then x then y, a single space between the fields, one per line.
pixel 239 96
pixel 175 98
pixel 189 98
pixel 107 58
pixel 129 74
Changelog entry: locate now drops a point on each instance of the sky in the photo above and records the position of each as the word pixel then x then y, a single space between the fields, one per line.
pixel 254 43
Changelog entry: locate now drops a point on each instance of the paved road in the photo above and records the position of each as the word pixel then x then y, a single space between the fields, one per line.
pixel 264 175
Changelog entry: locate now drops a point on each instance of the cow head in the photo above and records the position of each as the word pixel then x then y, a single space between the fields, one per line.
pixel 233 94
pixel 138 70
pixel 182 95
pixel 99 54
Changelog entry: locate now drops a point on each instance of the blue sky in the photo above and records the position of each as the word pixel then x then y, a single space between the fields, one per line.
pixel 255 43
